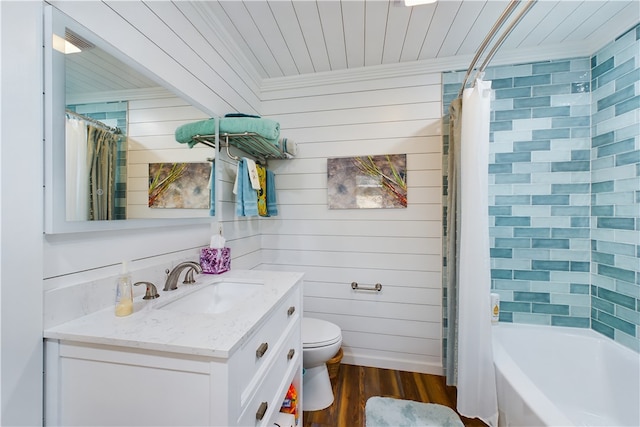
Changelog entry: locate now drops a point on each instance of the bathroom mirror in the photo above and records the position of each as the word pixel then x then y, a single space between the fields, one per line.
pixel 114 102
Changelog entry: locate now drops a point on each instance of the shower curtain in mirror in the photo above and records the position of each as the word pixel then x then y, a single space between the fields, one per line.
pixel 469 349
pixel 91 170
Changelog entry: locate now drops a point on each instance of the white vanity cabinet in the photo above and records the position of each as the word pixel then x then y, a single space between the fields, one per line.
pixel 97 383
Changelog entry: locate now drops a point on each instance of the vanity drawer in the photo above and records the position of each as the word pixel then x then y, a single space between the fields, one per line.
pixel 260 348
pixel 270 393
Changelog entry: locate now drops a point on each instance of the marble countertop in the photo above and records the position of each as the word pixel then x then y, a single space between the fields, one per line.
pixel 151 327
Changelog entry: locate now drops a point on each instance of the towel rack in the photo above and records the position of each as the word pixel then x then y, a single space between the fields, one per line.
pixel 251 143
pixel 356 287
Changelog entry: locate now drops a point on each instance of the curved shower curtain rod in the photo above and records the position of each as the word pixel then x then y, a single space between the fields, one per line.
pixel 95 122
pixel 492 33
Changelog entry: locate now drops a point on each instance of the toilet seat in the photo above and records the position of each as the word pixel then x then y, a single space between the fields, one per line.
pixel 319 333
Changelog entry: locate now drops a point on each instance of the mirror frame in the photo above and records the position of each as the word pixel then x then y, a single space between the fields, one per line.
pixel 55 221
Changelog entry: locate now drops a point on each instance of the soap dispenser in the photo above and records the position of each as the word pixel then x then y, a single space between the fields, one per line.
pixel 124 293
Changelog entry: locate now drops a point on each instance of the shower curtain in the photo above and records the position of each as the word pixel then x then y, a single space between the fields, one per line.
pixel 102 150
pixel 470 356
pixel 77 186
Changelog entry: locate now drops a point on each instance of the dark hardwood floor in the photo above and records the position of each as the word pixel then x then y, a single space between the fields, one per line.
pixel 355 384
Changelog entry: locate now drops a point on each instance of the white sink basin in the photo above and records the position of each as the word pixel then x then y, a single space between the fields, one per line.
pixel 214 298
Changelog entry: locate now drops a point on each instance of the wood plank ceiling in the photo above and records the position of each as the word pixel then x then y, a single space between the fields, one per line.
pixel 290 37
pixel 282 38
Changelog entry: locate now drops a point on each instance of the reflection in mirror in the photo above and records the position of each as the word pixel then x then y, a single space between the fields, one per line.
pixel 111 123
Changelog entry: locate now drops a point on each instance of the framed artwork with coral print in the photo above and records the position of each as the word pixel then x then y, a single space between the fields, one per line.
pixel 179 185
pixel 367 182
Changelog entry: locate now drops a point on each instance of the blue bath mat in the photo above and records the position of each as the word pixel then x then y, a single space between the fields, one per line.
pixel 390 412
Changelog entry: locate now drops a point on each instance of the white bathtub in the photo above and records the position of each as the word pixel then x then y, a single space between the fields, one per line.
pixel 557 376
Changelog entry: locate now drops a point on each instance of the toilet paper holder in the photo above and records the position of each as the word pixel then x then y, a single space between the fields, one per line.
pixel 356 287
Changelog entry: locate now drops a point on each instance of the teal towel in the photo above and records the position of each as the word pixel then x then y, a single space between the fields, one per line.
pixel 247 197
pixel 266 128
pixel 186 132
pixel 272 207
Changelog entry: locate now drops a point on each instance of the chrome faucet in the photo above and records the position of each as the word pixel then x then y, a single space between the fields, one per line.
pixel 172 276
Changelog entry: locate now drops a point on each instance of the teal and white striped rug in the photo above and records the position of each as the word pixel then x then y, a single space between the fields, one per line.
pixel 390 412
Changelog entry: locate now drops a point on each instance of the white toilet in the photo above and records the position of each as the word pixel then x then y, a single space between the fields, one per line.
pixel 321 341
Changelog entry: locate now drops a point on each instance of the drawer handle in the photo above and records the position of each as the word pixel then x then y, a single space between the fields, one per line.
pixel 291 310
pixel 262 349
pixel 291 353
pixel 262 410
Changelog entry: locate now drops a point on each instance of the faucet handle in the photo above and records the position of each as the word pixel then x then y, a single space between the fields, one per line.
pixel 188 277
pixel 152 291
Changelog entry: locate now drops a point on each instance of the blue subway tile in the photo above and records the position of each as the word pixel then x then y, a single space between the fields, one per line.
pixel 605 330
pixel 616 148
pixel 602 68
pixel 513 114
pixel 515 178
pixel 602 258
pixel 617 298
pixel 519 92
pixel 579 221
pixel 615 98
pixel 500 126
pixel 513 221
pixel 550 243
pixel 532 232
pixel 539 101
pixel 605 138
pixel 501 253
pixel 451 88
pixel 524 156
pixel 573 322
pixel 553 199
pixel 540 79
pixel 628 105
pixel 573 166
pixel 579 288
pixel 532 145
pixel 570 210
pixel 580 154
pixel 604 210
pixel 616 223
pixel 602 187
pixel 531 296
pixel 628 79
pixel 583 133
pixel 559 309
pixel 557 89
pixel 495 168
pixel 513 200
pixel 580 266
pixel 617 273
pixel 616 72
pixel 570 188
pixel 502 83
pixel 617 323
pixel 558 133
pixel 501 274
pixel 569 122
pixel 563 111
pixel 573 233
pixel 550 265
pixel 580 87
pixel 551 67
pixel 499 210
pixel 507 242
pixel 602 305
pixel 505 316
pixel 628 158
pixel 517 307
pixel 540 276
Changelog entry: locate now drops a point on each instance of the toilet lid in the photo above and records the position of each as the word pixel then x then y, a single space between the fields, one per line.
pixel 318 333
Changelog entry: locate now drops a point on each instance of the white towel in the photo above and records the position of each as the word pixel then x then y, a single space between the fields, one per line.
pixel 253 174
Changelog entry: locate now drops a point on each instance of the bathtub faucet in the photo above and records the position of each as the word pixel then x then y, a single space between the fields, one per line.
pixel 172 276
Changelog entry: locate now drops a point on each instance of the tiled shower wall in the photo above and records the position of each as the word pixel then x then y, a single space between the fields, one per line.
pixel 564 194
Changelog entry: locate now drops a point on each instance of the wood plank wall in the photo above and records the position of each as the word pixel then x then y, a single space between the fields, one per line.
pixel 400 327
pixel 152 123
